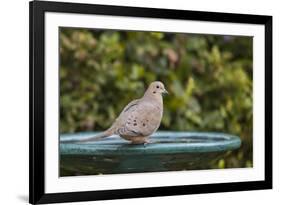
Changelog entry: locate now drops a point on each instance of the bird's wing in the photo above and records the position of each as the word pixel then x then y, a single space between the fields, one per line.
pixel 120 121
pixel 138 119
pixel 131 105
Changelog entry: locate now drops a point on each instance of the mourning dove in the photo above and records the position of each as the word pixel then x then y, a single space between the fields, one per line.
pixel 139 119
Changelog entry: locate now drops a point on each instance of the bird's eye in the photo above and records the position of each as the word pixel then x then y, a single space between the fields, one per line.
pixel 157 86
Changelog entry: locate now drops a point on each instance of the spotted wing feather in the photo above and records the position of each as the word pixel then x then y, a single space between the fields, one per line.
pixel 139 119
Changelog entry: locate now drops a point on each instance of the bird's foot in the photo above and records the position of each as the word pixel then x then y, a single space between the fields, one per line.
pixel 146 142
pixel 142 142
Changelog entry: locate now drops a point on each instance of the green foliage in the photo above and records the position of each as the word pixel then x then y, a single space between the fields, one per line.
pixel 209 79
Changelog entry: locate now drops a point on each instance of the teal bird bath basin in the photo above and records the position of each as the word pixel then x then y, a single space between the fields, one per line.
pixel 168 151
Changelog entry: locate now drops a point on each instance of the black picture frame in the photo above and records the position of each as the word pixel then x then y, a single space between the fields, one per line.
pixel 37 9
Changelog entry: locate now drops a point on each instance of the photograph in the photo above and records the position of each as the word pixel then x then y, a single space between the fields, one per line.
pixel 124 97
pixel 150 101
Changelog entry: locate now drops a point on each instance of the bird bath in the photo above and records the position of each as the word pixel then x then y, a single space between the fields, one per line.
pixel 168 151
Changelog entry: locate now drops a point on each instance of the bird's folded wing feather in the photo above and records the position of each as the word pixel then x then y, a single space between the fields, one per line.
pixel 137 119
pixel 130 106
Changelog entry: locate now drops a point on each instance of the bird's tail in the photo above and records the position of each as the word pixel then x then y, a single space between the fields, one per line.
pixel 97 137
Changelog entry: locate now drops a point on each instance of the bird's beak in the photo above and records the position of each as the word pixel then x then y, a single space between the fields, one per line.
pixel 165 92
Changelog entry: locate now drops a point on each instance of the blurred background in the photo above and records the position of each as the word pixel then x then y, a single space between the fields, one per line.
pixel 209 78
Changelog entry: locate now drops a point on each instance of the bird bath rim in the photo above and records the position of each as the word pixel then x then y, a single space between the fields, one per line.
pixel 162 142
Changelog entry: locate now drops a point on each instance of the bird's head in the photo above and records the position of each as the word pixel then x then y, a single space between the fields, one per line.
pixel 156 88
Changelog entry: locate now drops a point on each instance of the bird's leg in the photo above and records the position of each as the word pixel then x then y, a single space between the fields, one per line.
pixel 146 141
pixel 140 140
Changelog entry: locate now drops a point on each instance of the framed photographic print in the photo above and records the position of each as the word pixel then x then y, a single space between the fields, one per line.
pixel 124 97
